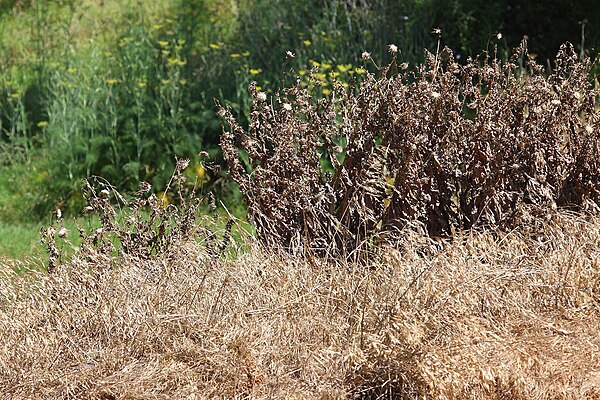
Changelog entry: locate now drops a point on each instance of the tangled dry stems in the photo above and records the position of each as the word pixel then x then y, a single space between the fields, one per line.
pixel 488 315
pixel 451 146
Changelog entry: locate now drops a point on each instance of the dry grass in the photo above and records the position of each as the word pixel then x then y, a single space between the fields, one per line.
pixel 488 315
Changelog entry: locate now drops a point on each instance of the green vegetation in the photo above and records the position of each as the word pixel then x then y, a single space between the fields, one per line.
pixel 119 89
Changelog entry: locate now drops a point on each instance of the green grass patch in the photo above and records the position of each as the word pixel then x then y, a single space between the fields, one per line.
pixel 22 241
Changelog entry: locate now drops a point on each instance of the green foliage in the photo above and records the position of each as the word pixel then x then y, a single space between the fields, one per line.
pixel 118 89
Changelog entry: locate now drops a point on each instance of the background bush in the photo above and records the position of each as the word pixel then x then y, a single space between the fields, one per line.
pixel 119 89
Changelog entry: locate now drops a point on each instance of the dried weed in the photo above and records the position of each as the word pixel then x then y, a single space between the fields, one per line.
pixel 451 146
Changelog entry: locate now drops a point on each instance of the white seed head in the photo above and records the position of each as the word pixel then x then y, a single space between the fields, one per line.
pixel 261 96
pixel 62 233
pixel 58 213
pixel 393 48
pixel 104 193
pixel 499 36
pixel 289 54
pixel 435 95
pixel 366 55
pixel 89 209
pixel 287 106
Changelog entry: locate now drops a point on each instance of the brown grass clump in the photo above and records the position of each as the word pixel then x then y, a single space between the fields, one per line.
pixel 451 146
pixel 488 315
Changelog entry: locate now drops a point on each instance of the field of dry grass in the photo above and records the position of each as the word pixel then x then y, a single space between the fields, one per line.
pixel 488 315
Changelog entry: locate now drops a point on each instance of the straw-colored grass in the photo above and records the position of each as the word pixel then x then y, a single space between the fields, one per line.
pixel 487 316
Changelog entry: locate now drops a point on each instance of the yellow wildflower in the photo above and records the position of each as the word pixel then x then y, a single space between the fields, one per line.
pixel 343 68
pixel 200 171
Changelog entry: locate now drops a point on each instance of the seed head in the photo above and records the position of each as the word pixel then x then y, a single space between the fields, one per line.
pixel 499 36
pixel 393 48
pixel 182 164
pixel 261 96
pixel 62 233
pixel 104 193
pixel 366 56
pixel 289 54
pixel 287 106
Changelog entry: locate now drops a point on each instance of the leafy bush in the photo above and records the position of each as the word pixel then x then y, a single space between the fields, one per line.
pixel 452 146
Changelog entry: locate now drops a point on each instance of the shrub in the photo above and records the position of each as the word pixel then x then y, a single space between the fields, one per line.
pixel 451 146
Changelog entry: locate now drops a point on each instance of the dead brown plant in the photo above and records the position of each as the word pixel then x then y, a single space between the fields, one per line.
pixel 451 146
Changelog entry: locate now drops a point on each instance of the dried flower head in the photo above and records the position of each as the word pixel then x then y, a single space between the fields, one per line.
pixel 393 48
pixel 182 164
pixel 261 96
pixel 499 36
pixel 289 54
pixel 287 106
pixel 366 55
pixel 62 233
